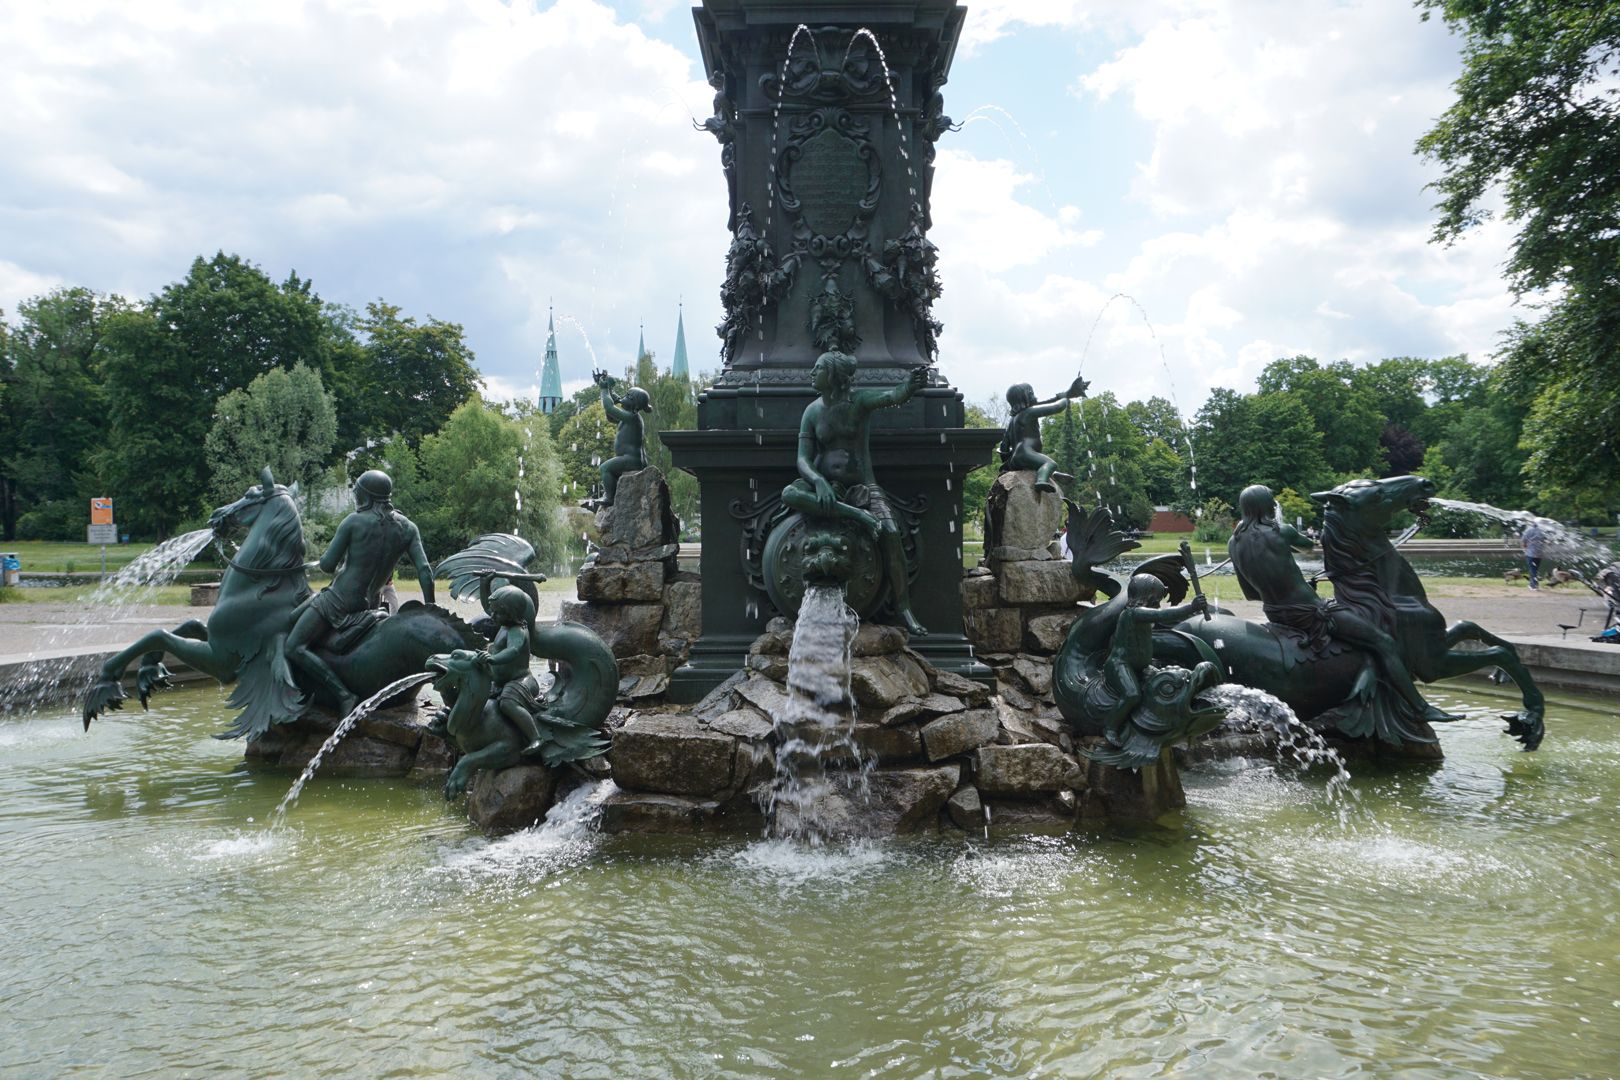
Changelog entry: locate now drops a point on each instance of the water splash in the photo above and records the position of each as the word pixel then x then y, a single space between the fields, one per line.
pixel 44 678
pixel 359 713
pixel 566 837
pixel 817 727
pixel 1251 710
pixel 1572 549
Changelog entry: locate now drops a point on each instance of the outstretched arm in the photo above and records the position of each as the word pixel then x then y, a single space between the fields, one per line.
pixel 610 405
pixel 1296 539
pixel 1046 408
pixel 516 645
pixel 1196 606
pixel 895 395
pixel 424 569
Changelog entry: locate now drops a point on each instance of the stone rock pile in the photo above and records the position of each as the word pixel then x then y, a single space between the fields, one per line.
pixel 631 591
pixel 390 742
pixel 944 751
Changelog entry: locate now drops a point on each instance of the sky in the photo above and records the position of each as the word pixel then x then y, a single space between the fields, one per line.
pixel 1164 194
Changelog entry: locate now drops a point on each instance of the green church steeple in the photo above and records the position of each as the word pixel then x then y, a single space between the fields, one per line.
pixel 551 394
pixel 679 368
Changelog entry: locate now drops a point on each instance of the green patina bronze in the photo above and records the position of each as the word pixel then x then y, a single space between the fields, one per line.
pixel 496 713
pixel 629 442
pixel 264 597
pixel 1021 445
pixel 1303 656
pixel 836 481
pixel 1107 679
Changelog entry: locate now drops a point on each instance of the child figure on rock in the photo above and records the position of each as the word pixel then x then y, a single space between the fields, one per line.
pixel 516 689
pixel 1021 445
pixel 629 444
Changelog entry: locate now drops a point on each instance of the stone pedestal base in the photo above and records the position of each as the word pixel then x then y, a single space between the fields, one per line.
pixel 389 742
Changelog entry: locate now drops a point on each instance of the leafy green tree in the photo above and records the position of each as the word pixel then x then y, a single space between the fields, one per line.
pixel 1536 118
pixel 1157 418
pixel 1165 474
pixel 1096 441
pixel 406 378
pixel 284 419
pixel 976 484
pixel 53 410
pixel 467 479
pixel 1347 416
pixel 583 443
pixel 1266 439
pixel 166 365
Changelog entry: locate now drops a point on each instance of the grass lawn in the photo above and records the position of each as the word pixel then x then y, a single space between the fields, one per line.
pixel 51 556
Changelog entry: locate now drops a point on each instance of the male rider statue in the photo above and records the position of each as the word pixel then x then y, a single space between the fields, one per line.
pixel 1262 551
pixel 361 559
pixel 835 466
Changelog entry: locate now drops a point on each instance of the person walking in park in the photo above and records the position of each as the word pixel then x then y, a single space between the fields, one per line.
pixel 1532 540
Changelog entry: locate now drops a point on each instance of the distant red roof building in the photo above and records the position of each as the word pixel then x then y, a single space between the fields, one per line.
pixel 1168 521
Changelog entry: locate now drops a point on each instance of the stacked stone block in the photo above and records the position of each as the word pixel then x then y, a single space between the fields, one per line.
pixel 631 591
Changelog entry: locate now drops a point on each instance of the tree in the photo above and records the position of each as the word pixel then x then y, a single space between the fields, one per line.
pixel 1097 442
pixel 406 379
pixel 976 484
pixel 283 419
pixel 1536 117
pixel 467 479
pixel 583 443
pixel 1157 418
pixel 54 411
pixel 1266 439
pixel 1346 416
pixel 166 365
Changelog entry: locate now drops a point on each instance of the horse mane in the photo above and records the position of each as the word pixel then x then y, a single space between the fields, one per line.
pixel 279 531
pixel 1350 558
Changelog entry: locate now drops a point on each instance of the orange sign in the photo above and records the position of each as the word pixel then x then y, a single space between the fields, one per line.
pixel 101 512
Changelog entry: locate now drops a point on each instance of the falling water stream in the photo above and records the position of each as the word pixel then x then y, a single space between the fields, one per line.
pixel 815 734
pixel 52 672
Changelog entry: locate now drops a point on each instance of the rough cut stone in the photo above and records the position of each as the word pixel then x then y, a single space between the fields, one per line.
pixel 1014 696
pixel 628 583
pixel 899 743
pixel 978 591
pixel 510 799
pixel 744 723
pixel 640 812
pixel 940 704
pixel 965 809
pixel 672 754
pixel 1005 554
pixel 1024 815
pixel 683 609
pixel 395 726
pixel 722 699
pixel 993 630
pixel 886 680
pixel 1019 516
pixel 642 687
pixel 765 695
pixel 959 732
pixel 1037 583
pixel 874 639
pixel 1026 769
pixel 1140 795
pixel 628 629
pixel 771 643
pixel 949 682
pixel 640 514
pixel 618 553
pixel 900 713
pixel 774 668
pixel 1035 674
pixel 898 800
pixel 1045 633
pixel 434 758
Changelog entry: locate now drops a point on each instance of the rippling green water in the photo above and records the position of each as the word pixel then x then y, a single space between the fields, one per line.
pixel 1465 921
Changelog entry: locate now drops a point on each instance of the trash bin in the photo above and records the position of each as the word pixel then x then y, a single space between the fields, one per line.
pixel 10 569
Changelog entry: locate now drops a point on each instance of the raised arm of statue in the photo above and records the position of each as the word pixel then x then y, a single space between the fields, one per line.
pixel 424 569
pixel 898 394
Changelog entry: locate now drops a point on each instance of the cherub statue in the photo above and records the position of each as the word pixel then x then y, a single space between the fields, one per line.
pixel 629 444
pixel 1118 692
pixel 835 466
pixel 516 690
pixel 1021 446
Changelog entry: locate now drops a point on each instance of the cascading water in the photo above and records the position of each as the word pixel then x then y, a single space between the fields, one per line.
pixel 1250 710
pixel 51 678
pixel 816 731
pixel 1568 547
pixel 361 711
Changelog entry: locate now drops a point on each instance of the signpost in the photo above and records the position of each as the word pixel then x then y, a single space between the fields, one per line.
pixel 101 529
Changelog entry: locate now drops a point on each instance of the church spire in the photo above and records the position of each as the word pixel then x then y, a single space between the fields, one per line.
pixel 678 368
pixel 551 394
